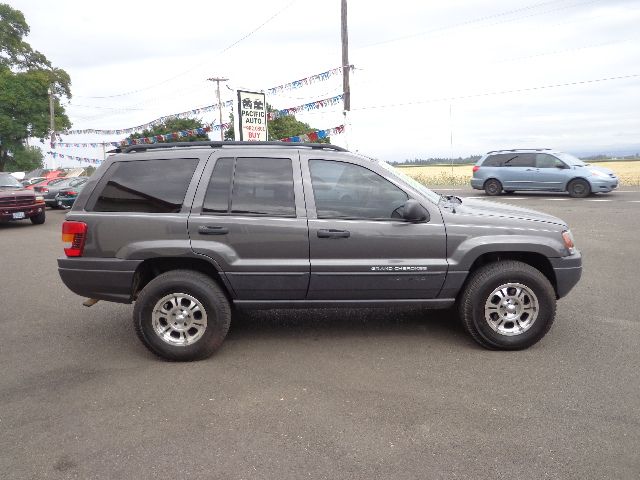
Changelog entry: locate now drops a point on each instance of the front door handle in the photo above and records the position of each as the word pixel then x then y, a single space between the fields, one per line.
pixel 212 230
pixel 331 233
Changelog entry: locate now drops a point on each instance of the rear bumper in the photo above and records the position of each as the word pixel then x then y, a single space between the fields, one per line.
pixel 477 183
pixel 568 271
pixel 103 279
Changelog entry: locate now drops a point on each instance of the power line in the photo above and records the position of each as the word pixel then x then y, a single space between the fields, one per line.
pixel 501 92
pixel 244 37
pixel 482 19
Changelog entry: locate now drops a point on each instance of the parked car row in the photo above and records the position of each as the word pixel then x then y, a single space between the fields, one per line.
pixel 52 188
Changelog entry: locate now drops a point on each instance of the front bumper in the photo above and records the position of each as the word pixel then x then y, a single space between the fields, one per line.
pixel 108 279
pixel 7 213
pixel 568 271
pixel 604 185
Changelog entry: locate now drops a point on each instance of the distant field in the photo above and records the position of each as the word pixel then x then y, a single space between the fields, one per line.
pixel 628 172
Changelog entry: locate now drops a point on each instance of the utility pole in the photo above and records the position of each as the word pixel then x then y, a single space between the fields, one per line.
pixel 52 125
pixel 346 90
pixel 218 80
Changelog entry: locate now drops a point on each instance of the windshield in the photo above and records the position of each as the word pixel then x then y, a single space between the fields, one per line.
pixel 433 196
pixel 9 181
pixel 570 159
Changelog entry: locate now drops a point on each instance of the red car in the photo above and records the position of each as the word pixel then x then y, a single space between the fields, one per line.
pixel 18 203
pixel 53 176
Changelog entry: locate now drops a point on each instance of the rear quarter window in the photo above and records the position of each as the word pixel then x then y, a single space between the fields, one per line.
pixel 492 161
pixel 150 186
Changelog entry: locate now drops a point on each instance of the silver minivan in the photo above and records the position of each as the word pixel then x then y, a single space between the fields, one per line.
pixel 542 170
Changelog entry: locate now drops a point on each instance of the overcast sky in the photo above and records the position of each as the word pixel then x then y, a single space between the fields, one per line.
pixel 428 74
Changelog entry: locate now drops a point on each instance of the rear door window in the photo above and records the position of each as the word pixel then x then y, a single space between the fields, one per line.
pixel 150 186
pixel 520 160
pixel 255 186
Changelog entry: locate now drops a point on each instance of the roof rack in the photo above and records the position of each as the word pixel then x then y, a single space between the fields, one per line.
pixel 150 146
pixel 520 149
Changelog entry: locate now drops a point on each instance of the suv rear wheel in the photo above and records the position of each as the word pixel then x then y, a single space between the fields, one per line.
pixel 492 187
pixel 182 315
pixel 507 305
pixel 579 188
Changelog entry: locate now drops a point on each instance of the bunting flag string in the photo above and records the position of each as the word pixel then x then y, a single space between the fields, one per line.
pixel 315 136
pixel 326 102
pixel 319 77
pixel 95 161
pixel 153 123
pixel 86 145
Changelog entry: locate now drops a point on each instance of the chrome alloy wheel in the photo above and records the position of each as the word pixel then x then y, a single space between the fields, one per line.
pixel 511 309
pixel 179 319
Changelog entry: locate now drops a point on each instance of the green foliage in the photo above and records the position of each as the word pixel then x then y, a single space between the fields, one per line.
pixel 25 160
pixel 174 125
pixel 25 77
pixel 289 126
pixel 88 171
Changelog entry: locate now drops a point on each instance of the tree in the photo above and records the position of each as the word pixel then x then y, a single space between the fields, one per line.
pixel 171 126
pixel 25 78
pixel 25 160
pixel 282 127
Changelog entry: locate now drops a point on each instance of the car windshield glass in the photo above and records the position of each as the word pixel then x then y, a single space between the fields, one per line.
pixel 570 159
pixel 9 181
pixel 431 195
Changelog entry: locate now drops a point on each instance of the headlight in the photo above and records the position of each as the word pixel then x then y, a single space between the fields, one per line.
pixel 39 198
pixel 567 238
pixel 598 173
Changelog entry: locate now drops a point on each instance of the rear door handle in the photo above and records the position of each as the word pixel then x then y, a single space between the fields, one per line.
pixel 331 233
pixel 532 170
pixel 212 230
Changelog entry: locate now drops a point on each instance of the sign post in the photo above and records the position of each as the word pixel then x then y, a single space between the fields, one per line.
pixel 252 116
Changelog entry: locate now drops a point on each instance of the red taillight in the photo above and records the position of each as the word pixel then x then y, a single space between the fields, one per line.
pixel 73 237
pixel 476 168
pixel 68 193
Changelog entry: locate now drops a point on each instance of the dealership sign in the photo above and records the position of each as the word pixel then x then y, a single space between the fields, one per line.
pixel 253 116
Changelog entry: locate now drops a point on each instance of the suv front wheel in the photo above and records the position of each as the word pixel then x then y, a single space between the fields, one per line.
pixel 182 315
pixel 507 305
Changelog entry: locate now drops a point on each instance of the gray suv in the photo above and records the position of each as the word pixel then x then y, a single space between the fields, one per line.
pixel 188 230
pixel 540 169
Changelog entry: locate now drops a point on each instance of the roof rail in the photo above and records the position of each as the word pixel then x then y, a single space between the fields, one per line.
pixel 151 146
pixel 519 149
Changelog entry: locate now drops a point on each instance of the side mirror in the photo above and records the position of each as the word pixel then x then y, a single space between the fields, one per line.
pixel 412 211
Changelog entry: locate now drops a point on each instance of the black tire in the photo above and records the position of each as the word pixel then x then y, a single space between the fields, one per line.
pixel 39 218
pixel 200 287
pixel 492 187
pixel 579 188
pixel 478 292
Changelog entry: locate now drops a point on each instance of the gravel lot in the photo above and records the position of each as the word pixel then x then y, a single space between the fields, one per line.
pixel 357 394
